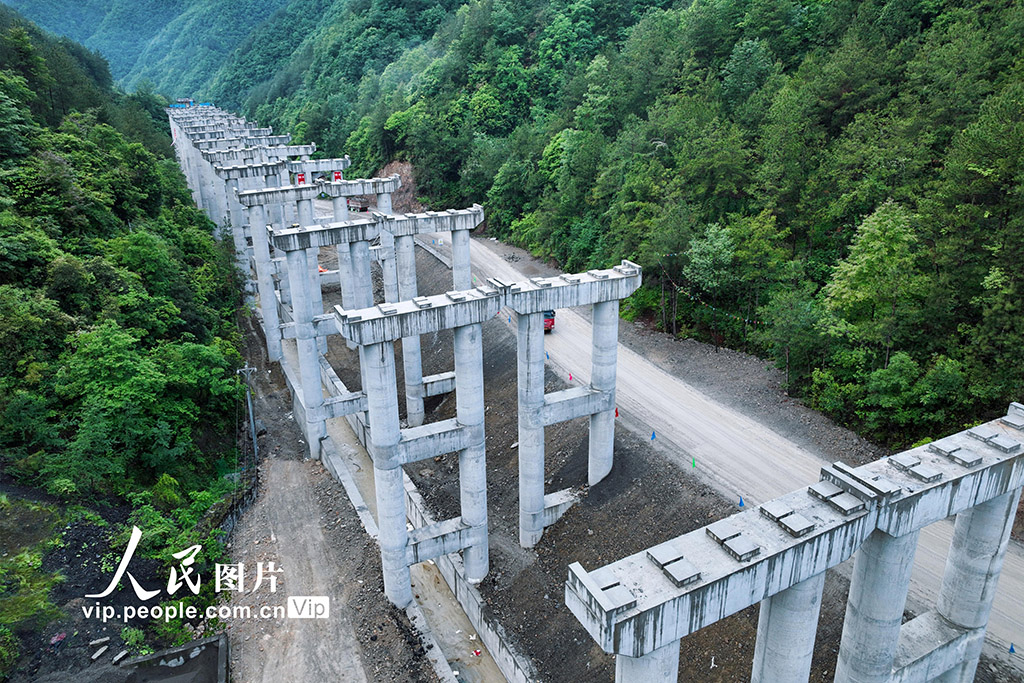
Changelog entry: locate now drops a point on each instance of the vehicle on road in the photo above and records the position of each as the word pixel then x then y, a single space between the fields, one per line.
pixel 549 321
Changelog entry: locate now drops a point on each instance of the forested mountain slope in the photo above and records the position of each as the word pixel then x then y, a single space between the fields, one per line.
pixel 836 184
pixel 118 338
pixel 177 45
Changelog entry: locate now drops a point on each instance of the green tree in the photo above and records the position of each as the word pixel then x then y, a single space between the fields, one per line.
pixel 746 71
pixel 878 287
pixel 791 331
pixel 709 266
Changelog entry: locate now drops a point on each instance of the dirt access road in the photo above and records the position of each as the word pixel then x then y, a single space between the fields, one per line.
pixel 303 522
pixel 739 456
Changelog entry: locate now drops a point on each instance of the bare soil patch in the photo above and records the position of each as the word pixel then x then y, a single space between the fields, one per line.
pixel 302 520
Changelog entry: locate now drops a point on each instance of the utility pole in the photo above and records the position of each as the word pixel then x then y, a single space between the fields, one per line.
pixel 247 372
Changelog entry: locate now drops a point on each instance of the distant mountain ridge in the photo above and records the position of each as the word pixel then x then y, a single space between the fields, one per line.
pixel 176 44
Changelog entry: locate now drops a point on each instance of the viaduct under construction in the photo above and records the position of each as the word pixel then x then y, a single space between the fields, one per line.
pixel 259 190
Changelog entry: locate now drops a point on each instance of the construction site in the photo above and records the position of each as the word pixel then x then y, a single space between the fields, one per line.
pixel 551 496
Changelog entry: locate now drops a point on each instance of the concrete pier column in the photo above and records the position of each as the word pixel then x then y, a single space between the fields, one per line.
pixel 235 214
pixel 214 195
pixel 189 152
pixel 239 218
pixel 405 259
pixel 309 358
pixel 277 213
pixel 388 267
pixel 530 340
pixel 316 299
pixel 362 286
pixel 188 160
pixel 205 200
pixel 340 207
pixel 345 274
pixel 378 366
pixel 384 203
pixel 362 293
pixel 289 215
pixel 658 666
pixel 874 610
pixel 265 281
pixel 975 559
pixel 462 277
pixel 469 403
pixel 786 628
pixel 282 281
pixel 602 378
pixel 305 212
pixel 238 231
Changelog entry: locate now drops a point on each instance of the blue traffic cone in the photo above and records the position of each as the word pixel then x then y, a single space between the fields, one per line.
pixel 741 501
pixel 653 435
pixel 1011 649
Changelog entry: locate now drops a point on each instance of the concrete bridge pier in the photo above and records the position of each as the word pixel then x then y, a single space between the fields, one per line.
pixel 378 367
pixel 602 378
pixel 600 289
pixel 786 629
pixel 362 297
pixel 340 207
pixel 277 211
pixel 469 401
pixel 874 610
pixel 265 280
pixel 405 259
pixel 403 269
pixel 658 665
pixel 200 188
pixel 237 223
pixel 980 538
pixel 530 341
pixel 306 345
pixel 316 298
pixel 213 194
pixel 385 253
pixel 462 276
pixel 183 145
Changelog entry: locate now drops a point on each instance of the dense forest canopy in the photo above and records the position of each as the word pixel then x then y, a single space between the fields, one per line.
pixel 834 184
pixel 176 45
pixel 118 335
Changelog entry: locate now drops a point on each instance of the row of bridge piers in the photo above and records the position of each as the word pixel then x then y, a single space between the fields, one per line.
pixel 260 190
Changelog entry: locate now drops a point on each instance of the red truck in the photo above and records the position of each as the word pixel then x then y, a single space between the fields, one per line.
pixel 549 321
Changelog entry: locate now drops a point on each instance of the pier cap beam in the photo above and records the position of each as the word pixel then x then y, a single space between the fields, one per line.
pixel 390 322
pixel 232 143
pixel 361 186
pixel 647 600
pixel 319 165
pixel 259 169
pixel 280 195
pixel 330 234
pixel 408 224
pixel 582 289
